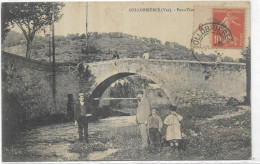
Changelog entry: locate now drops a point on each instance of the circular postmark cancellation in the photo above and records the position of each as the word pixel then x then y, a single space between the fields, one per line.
pixel 204 40
pixel 208 35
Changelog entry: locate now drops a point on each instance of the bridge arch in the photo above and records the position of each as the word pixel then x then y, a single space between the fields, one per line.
pixel 102 86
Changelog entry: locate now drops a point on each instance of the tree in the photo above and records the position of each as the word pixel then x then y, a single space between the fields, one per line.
pixel 246 53
pixel 6 21
pixel 33 17
pixel 228 59
pixel 167 43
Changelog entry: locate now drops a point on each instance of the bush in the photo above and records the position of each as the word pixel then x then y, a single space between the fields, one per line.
pixel 204 111
pixel 13 118
pixel 232 101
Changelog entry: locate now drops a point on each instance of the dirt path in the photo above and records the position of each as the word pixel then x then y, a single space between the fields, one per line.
pixel 52 142
pixel 118 138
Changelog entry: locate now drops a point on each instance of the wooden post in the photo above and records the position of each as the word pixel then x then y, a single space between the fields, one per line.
pixel 87 28
pixel 53 63
pixel 50 47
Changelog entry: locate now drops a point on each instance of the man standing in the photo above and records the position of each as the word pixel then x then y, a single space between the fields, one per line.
pixel 81 116
pixel 142 115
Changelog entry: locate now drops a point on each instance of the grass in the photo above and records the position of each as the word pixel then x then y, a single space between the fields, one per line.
pixel 227 138
pixel 220 139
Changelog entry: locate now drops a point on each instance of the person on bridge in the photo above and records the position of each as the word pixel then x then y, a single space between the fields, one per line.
pixel 146 55
pixel 142 115
pixel 115 56
pixel 173 132
pixel 81 118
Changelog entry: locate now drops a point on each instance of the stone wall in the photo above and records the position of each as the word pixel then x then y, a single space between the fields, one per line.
pixel 27 83
pixel 67 81
pixel 207 83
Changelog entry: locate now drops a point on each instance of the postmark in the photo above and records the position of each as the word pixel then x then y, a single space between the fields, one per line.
pixel 202 38
pixel 234 20
pixel 201 43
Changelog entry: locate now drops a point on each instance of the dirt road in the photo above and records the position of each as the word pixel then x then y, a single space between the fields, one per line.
pixel 52 143
pixel 118 138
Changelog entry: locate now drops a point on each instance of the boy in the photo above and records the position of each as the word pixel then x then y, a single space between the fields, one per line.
pixel 154 126
pixel 81 117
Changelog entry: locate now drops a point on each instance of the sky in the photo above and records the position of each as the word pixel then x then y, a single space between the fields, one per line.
pixel 116 17
pixel 174 24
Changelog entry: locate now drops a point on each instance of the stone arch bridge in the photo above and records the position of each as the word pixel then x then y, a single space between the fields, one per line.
pixel 181 81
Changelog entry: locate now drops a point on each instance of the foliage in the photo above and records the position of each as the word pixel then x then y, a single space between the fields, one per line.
pixel 126 88
pixel 228 59
pixel 85 149
pixel 13 117
pixel 32 17
pixel 6 21
pixel 121 90
pixel 204 111
pixel 101 46
pixel 232 101
pixel 86 77
pixel 246 53
pixel 21 98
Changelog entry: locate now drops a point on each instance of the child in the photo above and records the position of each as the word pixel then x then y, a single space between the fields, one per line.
pixel 154 126
pixel 173 132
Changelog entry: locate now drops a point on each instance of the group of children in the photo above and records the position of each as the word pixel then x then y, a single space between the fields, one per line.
pixel 173 132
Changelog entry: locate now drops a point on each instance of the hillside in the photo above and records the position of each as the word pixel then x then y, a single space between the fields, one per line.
pixel 71 48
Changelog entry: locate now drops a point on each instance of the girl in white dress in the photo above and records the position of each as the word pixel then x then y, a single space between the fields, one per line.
pixel 173 132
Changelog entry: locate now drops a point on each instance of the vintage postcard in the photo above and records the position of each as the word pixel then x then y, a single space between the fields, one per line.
pixel 126 81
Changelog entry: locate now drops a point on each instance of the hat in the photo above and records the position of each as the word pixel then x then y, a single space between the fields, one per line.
pixel 140 92
pixel 139 96
pixel 173 108
pixel 81 94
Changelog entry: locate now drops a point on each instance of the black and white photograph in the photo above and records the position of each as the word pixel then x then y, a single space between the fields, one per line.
pixel 126 81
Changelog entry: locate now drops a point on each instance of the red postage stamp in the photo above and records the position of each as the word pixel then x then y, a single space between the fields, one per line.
pixel 234 20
